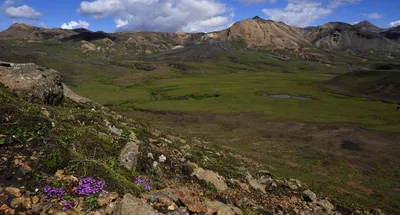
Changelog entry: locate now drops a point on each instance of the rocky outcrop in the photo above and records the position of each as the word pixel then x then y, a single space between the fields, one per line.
pixel 32 82
pixel 68 93
pixel 339 36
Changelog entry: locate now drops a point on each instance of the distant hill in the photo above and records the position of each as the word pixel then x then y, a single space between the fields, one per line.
pixel 338 36
pixel 392 34
pixel 252 33
pixel 258 32
pixel 24 31
pixel 374 84
pixel 367 26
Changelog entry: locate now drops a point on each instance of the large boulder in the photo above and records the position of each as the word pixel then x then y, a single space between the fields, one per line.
pixel 131 205
pixel 33 83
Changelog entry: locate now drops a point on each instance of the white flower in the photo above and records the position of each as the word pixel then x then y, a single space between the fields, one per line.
pixel 36 190
pixel 155 164
pixel 53 124
pixel 162 159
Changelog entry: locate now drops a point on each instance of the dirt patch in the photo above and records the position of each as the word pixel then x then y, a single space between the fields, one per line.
pixel 352 146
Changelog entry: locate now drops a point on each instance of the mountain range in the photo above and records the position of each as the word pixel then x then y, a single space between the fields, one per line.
pixel 254 33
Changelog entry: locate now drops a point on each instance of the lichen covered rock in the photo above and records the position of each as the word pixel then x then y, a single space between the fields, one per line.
pixel 32 82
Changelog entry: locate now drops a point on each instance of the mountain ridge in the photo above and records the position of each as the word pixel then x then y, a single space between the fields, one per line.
pixel 253 32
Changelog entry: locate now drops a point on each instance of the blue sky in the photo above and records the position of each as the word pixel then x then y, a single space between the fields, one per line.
pixel 191 15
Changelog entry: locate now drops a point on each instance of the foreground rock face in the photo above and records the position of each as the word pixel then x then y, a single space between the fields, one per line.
pixel 32 82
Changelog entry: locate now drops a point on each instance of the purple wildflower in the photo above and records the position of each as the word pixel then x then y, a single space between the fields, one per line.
pixel 144 182
pixel 89 186
pixel 68 205
pixel 52 191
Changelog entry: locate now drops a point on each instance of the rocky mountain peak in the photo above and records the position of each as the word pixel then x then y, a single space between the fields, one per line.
pixel 368 26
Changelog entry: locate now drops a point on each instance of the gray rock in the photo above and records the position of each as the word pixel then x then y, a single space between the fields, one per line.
pixel 3 198
pixel 255 184
pixel 113 129
pixel 33 83
pixel 326 205
pixel 129 155
pixel 310 196
pixel 179 211
pixel 131 205
pixel 220 208
pixel 298 183
pixel 68 93
pixel 211 177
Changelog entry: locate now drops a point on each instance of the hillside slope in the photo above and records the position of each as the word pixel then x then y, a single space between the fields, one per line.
pixel 376 84
pixel 75 152
pixel 392 34
pixel 339 36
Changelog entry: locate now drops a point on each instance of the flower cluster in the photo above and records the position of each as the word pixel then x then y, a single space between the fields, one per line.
pixel 52 191
pixel 144 182
pixel 68 205
pixel 89 186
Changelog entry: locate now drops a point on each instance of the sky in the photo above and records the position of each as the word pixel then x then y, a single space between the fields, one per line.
pixel 191 15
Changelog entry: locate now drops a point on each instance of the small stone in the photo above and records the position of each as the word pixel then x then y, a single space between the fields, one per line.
pixel 110 208
pixel 35 199
pixel 106 198
pixel 26 167
pixel 14 191
pixel 17 203
pixel 255 184
pixel 309 196
pixel 3 198
pixel 179 211
pixel 172 207
pixel 326 205
pixel 292 185
pixel 212 177
pixel 150 155
pixel 70 179
pixel 298 183
pixel 59 175
pixel 4 207
pixel 156 133
pixel 10 211
pixel 129 155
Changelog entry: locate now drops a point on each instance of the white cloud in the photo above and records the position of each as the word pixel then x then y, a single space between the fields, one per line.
pixel 394 24
pixel 23 11
pixel 74 25
pixel 298 13
pixel 161 15
pixel 338 3
pixel 119 23
pixel 256 1
pixel 373 15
